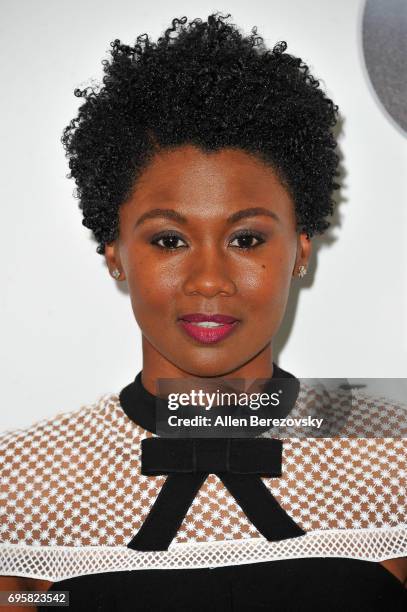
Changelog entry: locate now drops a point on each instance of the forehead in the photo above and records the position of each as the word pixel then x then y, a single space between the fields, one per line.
pixel 207 188
pixel 188 171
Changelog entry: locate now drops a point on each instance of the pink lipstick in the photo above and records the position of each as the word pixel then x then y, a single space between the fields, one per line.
pixel 208 328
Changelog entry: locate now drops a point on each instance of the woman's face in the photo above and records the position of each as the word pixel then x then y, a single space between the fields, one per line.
pixel 208 234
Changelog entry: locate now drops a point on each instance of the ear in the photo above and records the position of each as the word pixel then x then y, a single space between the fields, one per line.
pixel 304 250
pixel 113 261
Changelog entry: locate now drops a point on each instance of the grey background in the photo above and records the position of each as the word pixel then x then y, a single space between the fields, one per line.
pixel 384 33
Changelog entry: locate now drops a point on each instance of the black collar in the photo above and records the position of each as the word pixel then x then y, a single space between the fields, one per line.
pixel 187 463
pixel 140 405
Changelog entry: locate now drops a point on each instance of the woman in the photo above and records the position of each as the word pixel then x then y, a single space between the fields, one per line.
pixel 204 165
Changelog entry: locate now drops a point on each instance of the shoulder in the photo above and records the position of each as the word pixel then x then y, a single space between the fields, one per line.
pixel 101 416
pixel 48 470
pixel 379 415
pixel 54 432
pixel 351 412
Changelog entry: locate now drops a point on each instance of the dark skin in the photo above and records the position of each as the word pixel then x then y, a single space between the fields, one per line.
pixel 209 272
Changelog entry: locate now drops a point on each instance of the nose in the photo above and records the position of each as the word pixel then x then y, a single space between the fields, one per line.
pixel 209 275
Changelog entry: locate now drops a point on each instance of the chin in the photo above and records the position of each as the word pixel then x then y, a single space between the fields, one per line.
pixel 210 367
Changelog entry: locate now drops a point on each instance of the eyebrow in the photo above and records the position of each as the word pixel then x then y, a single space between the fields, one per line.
pixel 169 213
pixel 252 212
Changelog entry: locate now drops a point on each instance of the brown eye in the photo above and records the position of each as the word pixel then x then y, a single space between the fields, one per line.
pixel 247 240
pixel 168 241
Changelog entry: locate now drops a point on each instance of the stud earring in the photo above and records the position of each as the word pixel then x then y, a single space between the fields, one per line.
pixel 116 274
pixel 302 270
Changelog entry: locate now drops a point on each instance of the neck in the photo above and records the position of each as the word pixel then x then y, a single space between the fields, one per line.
pixel 156 366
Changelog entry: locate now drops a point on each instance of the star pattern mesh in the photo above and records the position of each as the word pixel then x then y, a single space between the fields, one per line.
pixel 72 497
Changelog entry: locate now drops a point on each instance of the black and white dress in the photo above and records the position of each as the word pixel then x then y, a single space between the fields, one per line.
pixel 77 510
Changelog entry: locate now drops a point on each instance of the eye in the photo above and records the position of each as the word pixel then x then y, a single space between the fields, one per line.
pixel 168 241
pixel 245 239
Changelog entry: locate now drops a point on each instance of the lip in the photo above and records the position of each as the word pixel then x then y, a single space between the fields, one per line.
pixel 208 335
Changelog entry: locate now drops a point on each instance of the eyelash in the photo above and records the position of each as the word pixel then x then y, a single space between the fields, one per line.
pixel 241 234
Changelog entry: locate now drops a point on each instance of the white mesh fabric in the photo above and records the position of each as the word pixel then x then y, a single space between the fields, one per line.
pixel 60 562
pixel 72 497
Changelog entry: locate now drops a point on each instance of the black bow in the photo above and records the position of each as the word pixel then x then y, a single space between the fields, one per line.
pixel 239 463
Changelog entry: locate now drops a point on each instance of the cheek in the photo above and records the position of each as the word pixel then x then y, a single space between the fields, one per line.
pixel 151 286
pixel 265 287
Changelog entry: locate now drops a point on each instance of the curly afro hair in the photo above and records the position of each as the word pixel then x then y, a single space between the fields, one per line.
pixel 201 83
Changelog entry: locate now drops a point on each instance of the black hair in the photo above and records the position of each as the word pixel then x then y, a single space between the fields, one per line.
pixel 202 83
